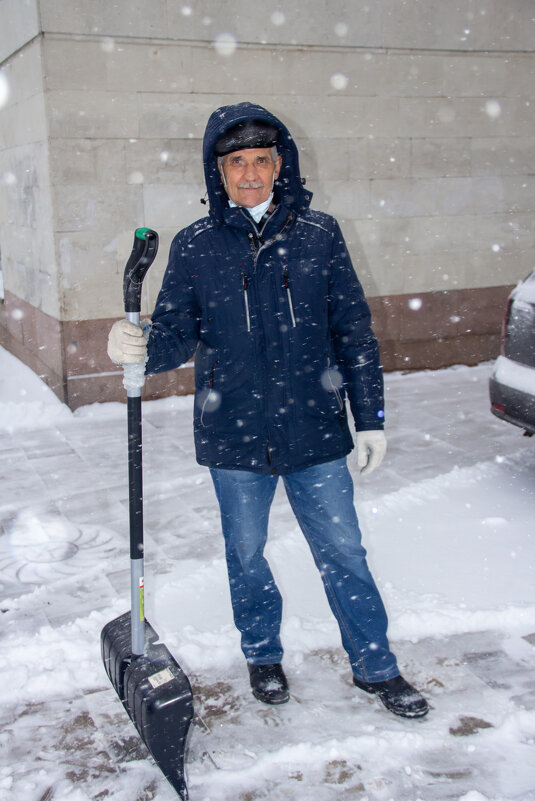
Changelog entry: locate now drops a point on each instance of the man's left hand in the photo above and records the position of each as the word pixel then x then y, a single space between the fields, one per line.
pixel 371 448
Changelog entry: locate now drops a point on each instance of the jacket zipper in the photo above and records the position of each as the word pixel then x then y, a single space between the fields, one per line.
pixel 245 281
pixel 289 296
pixel 257 246
pixel 257 243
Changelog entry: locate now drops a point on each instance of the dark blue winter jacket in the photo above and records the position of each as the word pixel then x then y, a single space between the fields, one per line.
pixel 277 320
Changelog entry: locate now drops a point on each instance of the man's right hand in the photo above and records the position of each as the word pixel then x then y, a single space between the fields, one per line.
pixel 127 343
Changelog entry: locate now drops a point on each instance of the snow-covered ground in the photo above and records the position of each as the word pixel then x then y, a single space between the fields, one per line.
pixel 448 523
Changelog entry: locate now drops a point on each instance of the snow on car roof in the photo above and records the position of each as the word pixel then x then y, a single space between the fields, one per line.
pixel 525 290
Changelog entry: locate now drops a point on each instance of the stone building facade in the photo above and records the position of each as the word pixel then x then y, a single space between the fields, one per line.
pixel 415 123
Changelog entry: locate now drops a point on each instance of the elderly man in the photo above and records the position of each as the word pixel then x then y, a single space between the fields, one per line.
pixel 263 292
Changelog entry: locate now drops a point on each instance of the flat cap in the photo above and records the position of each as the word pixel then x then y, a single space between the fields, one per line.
pixel 246 135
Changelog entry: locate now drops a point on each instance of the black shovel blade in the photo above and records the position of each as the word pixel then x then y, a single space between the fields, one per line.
pixel 155 692
pixel 116 647
pixel 159 700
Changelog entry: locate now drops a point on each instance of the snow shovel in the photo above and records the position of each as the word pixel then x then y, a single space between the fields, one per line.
pixel 152 686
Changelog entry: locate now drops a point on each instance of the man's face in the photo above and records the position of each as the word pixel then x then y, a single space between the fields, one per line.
pixel 248 175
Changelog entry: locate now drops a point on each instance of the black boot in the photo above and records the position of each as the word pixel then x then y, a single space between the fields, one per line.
pixel 268 683
pixel 397 695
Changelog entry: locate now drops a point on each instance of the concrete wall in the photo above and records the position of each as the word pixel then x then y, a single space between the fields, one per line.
pixel 31 329
pixel 414 121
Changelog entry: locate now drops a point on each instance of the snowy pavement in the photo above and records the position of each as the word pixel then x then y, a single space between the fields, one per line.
pixel 448 523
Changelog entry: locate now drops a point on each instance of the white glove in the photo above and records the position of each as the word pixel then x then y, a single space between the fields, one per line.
pixel 127 343
pixel 371 448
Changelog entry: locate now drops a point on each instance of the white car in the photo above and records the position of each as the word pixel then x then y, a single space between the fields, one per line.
pixel 512 384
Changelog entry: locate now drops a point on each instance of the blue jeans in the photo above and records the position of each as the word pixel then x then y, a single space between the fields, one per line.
pixel 322 501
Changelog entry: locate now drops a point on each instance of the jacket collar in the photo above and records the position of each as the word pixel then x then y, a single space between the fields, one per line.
pixel 269 225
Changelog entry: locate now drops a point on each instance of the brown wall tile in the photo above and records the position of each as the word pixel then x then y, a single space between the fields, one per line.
pixel 35 339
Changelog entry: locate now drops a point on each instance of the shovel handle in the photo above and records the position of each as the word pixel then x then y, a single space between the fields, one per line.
pixel 143 254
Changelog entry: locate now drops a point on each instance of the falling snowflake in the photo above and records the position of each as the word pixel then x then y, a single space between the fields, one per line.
pixel 209 400
pixel 493 109
pixel 278 18
pixel 331 379
pixel 339 81
pixel 4 89
pixel 107 44
pixel 225 44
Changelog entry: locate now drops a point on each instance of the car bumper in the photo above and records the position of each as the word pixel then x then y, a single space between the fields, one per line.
pixel 512 393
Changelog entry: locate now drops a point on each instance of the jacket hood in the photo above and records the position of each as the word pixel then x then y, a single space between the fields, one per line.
pixel 288 189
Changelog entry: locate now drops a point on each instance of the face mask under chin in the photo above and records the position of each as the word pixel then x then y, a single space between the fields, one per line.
pixel 257 212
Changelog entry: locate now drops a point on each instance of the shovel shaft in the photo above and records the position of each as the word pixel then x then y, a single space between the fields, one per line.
pixel 135 482
pixel 135 477
pixel 137 621
pixel 143 254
